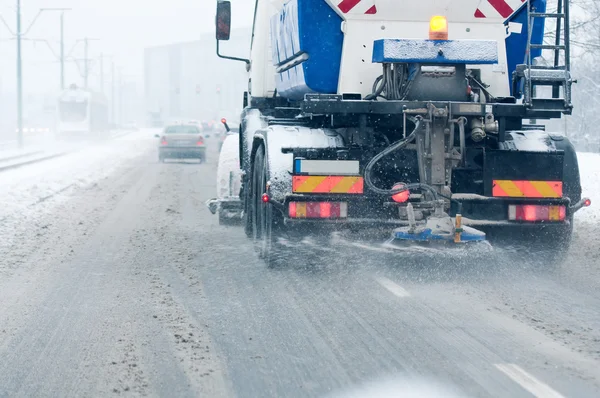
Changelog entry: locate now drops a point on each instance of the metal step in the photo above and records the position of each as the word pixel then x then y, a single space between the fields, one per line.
pixel 550 104
pixel 547 75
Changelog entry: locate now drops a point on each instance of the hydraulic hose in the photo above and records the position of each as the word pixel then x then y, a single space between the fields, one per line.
pixel 393 148
pixel 461 128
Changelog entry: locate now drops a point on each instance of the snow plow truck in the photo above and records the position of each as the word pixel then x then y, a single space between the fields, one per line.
pixel 417 120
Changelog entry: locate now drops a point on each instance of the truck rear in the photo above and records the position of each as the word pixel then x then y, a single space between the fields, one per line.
pixel 417 123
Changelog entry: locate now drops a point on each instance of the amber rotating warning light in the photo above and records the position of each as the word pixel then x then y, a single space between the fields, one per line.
pixel 438 28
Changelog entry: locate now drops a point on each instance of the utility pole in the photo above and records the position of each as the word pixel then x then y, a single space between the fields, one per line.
pixel 85 65
pixel 102 73
pixel 86 59
pixel 62 50
pixel 112 94
pixel 120 83
pixel 19 80
pixel 19 37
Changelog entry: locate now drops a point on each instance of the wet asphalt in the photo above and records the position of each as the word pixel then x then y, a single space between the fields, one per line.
pixel 128 286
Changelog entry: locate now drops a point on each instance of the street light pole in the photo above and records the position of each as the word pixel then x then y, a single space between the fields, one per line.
pixel 85 65
pixel 112 94
pixel 102 73
pixel 19 37
pixel 62 50
pixel 19 80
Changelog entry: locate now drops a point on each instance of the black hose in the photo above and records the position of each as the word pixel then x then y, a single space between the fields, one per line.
pixel 377 88
pixel 393 148
pixel 393 82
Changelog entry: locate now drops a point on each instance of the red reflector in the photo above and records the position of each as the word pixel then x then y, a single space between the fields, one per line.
pixel 336 210
pixel 265 198
pixel 532 213
pixel 313 210
pixel 400 197
pixel 587 203
pixel 528 213
pixel 325 210
pixel 330 210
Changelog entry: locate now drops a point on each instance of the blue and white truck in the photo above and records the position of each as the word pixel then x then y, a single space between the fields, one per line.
pixel 414 120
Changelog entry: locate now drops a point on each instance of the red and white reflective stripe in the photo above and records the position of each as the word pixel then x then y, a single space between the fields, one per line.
pixel 533 213
pixel 318 210
pixel 357 6
pixel 497 8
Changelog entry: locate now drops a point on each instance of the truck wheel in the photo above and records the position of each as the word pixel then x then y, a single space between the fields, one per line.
pixel 266 229
pixel 247 208
pixel 553 247
pixel 558 241
pixel 549 245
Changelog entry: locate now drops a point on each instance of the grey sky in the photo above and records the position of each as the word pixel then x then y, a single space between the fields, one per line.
pixel 124 27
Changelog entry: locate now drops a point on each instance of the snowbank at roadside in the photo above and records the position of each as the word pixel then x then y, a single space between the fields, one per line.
pixel 24 191
pixel 589 166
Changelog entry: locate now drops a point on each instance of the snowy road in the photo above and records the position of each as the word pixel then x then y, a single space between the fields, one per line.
pixel 115 279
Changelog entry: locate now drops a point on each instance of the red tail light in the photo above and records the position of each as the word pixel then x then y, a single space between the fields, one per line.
pixel 200 141
pixel 318 210
pixel 163 141
pixel 532 213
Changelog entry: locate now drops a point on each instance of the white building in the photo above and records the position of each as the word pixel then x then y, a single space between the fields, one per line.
pixel 189 81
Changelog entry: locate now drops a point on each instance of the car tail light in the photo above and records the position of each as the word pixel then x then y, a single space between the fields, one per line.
pixel 329 210
pixel 200 141
pixel 163 141
pixel 533 213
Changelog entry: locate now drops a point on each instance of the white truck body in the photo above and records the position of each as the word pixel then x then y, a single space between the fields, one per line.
pixel 370 20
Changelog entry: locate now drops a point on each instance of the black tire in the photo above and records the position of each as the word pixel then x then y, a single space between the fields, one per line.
pixel 556 242
pixel 255 202
pixel 554 245
pixel 548 246
pixel 266 227
pixel 247 192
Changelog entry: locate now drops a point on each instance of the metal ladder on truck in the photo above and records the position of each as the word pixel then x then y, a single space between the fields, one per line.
pixel 557 76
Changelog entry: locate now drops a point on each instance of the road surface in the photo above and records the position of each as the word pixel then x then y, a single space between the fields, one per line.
pixel 115 280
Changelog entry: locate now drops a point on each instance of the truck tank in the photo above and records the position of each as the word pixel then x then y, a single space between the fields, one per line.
pixel 307 37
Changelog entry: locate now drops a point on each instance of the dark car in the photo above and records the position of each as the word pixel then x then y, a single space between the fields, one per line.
pixel 182 141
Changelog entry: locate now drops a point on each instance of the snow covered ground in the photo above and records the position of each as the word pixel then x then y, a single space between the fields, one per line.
pixel 24 192
pixel 589 165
